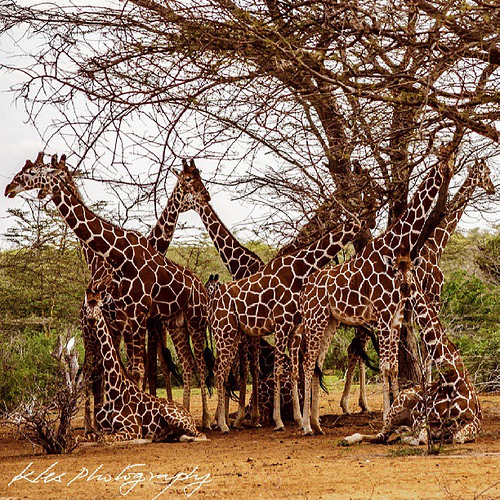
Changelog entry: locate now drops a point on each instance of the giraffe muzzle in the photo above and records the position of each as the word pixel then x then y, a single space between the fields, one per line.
pixel 12 189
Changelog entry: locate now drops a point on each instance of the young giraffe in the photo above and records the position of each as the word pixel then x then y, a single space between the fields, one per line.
pixel 181 199
pixel 363 290
pixel 446 409
pixel 129 413
pixel 428 272
pixel 264 302
pixel 144 283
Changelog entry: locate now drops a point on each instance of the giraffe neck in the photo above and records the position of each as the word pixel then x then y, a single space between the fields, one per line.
pixel 97 234
pixel 161 235
pixel 239 261
pixel 319 253
pixel 113 369
pixel 438 240
pixel 405 231
pixel 441 350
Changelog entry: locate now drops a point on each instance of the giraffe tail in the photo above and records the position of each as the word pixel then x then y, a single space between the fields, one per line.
pixel 232 386
pixel 209 358
pixel 319 372
pixel 171 364
pixel 356 347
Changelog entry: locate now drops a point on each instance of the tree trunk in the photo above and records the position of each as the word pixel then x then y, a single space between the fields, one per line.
pixel 410 369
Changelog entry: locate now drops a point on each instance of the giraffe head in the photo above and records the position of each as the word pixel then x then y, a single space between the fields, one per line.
pixel 192 190
pixel 482 171
pixel 93 304
pixel 212 285
pixel 37 175
pixel 401 266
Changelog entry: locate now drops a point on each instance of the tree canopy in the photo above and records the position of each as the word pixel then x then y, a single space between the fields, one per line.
pixel 331 105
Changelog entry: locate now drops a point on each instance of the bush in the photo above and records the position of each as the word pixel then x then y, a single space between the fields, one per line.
pixel 471 311
pixel 27 367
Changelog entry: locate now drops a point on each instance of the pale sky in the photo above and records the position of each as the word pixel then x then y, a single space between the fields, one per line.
pixel 20 141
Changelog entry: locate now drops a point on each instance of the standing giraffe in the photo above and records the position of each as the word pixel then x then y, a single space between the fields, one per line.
pixel 428 272
pixel 264 302
pixel 241 263
pixel 144 283
pixel 364 290
pixel 180 200
pixel 446 409
pixel 129 413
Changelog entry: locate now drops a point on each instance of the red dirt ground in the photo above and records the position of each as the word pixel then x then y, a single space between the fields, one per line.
pixel 259 463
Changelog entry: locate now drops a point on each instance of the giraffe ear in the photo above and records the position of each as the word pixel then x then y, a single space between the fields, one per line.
pixel 216 277
pixel 389 261
pixel 176 172
pixel 53 161
pixel 417 261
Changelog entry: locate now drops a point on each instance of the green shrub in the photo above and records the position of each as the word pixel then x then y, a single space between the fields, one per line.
pixel 27 365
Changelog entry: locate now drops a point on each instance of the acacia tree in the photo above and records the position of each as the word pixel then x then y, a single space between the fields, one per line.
pixel 347 98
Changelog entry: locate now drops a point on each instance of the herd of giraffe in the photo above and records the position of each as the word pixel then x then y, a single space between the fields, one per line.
pixel 136 292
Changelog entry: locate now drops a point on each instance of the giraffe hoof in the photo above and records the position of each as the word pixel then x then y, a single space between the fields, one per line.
pixel 279 428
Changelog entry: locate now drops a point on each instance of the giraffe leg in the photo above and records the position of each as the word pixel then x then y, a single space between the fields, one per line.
pixel 351 365
pixel 294 373
pixel 328 334
pixel 164 365
pixel 384 329
pixel 279 358
pixel 363 401
pixel 198 338
pixel 313 336
pixel 134 335
pixel 360 341
pixel 183 349
pixel 253 344
pixel 152 355
pixel 227 341
pixel 243 367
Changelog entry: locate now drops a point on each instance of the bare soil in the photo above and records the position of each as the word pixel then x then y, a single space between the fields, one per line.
pixel 259 463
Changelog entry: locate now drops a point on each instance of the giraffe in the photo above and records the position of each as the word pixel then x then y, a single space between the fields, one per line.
pixel 187 188
pixel 265 397
pixel 241 263
pixel 428 272
pixel 364 290
pixel 264 302
pixel 144 283
pixel 129 413
pixel 446 409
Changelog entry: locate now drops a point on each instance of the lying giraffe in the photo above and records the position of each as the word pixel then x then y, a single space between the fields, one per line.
pixel 447 409
pixel 267 301
pixel 144 283
pixel 363 290
pixel 129 413
pixel 428 272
